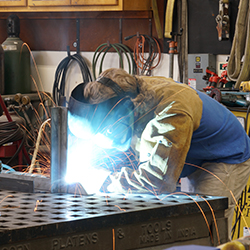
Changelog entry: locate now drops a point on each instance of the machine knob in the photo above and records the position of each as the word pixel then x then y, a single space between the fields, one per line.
pixel 18 97
pixel 215 94
pixel 25 100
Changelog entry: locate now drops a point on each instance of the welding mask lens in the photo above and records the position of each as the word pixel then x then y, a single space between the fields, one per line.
pixel 117 128
pixel 111 121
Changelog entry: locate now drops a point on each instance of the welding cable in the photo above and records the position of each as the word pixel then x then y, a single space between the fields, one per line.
pixel 8 168
pixel 11 132
pixel 237 213
pixel 60 76
pixel 146 64
pixel 120 49
pixel 17 151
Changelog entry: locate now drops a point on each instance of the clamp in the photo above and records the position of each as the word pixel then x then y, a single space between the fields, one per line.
pixel 223 20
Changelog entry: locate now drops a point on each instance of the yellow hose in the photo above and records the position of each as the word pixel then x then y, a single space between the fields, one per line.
pixel 234 245
pixel 169 18
pixel 237 71
pixel 157 19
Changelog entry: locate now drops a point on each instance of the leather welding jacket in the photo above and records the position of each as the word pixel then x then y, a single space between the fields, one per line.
pixel 188 128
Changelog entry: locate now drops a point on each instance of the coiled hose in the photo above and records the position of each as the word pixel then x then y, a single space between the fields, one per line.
pixel 120 49
pixel 146 64
pixel 11 132
pixel 60 76
pixel 237 71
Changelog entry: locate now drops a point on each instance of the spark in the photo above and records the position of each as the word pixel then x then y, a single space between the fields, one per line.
pixel 215 221
pixel 230 191
pixel 120 208
pixel 197 204
pixel 37 203
pixel 113 234
pixel 11 196
pixel 79 167
pixel 33 60
pixel 37 145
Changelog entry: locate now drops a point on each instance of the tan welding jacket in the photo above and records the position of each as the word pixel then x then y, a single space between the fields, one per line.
pixel 165 139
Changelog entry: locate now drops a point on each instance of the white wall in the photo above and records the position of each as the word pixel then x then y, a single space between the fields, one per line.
pixel 44 65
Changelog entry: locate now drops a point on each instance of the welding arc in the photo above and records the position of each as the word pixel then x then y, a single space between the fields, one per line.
pixel 120 49
pixel 60 76
pixel 11 132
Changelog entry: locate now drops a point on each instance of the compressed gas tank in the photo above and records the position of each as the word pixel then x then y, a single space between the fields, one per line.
pixel 1 71
pixel 16 60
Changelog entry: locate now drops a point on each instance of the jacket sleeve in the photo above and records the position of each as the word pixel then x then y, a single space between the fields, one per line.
pixel 164 145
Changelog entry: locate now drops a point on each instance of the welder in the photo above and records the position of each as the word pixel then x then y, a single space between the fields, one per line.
pixel 181 133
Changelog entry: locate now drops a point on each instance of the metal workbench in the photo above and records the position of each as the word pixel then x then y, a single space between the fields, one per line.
pixel 45 221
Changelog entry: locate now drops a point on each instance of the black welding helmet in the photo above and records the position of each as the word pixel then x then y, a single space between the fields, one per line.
pixel 109 123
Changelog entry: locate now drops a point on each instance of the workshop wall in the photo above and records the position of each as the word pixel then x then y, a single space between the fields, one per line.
pixel 202 32
pixel 49 34
pixel 45 64
pixel 56 31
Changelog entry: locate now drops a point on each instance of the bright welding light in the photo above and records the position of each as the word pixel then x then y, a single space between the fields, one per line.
pixel 80 155
pixel 80 127
pixel 103 141
pixel 80 169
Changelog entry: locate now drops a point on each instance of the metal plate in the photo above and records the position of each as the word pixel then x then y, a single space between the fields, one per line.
pixel 58 221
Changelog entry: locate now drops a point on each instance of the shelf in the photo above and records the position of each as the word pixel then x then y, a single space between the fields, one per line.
pixel 13 3
pixel 33 3
pixel 53 6
pixel 94 2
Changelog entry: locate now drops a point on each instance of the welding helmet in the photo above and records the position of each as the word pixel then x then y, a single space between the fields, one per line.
pixel 110 123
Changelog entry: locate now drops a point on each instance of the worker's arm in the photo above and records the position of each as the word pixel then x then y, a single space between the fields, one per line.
pixel 164 145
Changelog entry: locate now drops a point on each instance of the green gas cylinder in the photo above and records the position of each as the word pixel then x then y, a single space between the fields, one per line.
pixel 16 60
pixel 1 71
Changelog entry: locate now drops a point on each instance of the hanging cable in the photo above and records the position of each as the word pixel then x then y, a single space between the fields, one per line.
pixel 143 62
pixel 239 63
pixel 120 49
pixel 11 132
pixel 60 76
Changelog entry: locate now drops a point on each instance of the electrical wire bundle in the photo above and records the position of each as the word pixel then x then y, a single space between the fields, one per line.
pixel 11 132
pixel 120 49
pixel 143 62
pixel 60 76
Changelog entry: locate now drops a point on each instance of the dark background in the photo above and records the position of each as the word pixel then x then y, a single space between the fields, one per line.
pixel 55 31
pixel 203 36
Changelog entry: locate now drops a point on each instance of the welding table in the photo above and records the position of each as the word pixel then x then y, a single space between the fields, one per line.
pixel 47 221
